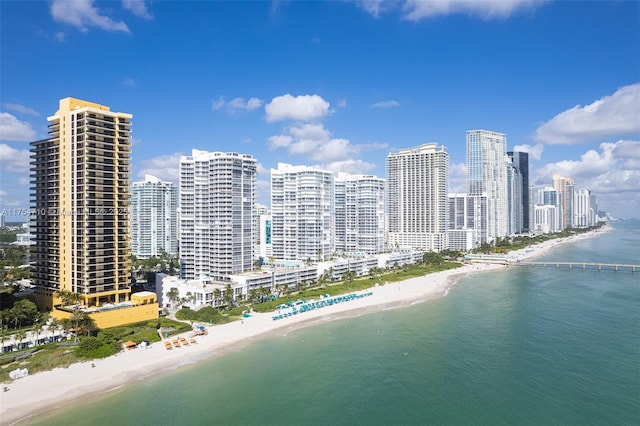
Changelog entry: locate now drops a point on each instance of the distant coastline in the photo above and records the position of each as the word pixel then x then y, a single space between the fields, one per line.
pixel 36 394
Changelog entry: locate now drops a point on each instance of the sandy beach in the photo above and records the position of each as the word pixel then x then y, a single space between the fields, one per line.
pixel 47 390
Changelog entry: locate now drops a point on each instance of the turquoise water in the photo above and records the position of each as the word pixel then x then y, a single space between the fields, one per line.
pixel 519 346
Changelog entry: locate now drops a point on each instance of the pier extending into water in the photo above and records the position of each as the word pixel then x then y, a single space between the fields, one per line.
pixel 581 265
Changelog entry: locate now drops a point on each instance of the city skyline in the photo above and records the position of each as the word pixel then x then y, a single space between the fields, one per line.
pixel 336 85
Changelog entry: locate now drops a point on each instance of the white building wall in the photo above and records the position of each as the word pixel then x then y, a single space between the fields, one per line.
pixel 359 213
pixel 154 228
pixel 487 175
pixel 417 184
pixel 217 204
pixel 302 210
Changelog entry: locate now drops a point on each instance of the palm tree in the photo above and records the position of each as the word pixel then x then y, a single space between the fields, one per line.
pixel 85 323
pixel 228 296
pixel 173 295
pixel 18 337
pixel 190 298
pixel 70 297
pixel 347 277
pixel 254 295
pixel 36 329
pixel 3 337
pixel 23 310
pixel 217 295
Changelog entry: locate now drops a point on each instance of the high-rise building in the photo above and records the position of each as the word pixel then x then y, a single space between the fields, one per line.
pixel 547 219
pixel 570 199
pixel 263 250
pixel 260 216
pixel 514 199
pixel 359 213
pixel 521 162
pixel 80 196
pixel 467 220
pixel 585 209
pixel 417 184
pixel 487 175
pixel 217 202
pixel 154 227
pixel 566 189
pixel 302 212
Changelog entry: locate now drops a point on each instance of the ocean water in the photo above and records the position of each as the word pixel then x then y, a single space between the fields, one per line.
pixel 523 346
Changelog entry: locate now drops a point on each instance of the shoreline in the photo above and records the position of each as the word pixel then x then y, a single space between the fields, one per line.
pixel 34 394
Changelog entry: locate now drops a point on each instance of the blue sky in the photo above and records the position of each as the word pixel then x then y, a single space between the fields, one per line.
pixel 335 84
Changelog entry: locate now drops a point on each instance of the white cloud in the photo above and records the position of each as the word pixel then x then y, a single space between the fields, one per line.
pixel 219 104
pixel 164 167
pixel 535 151
pixel 83 14
pixel 12 129
pixel 314 141
pixel 377 7
pixel 21 109
pixel 138 8
pixel 458 178
pixel 59 36
pixel 262 170
pixel 611 116
pixel 241 103
pixel 612 173
pixel 14 160
pixel 415 10
pixel 236 104
pixel 280 141
pixel 385 104
pixel 351 166
pixel 342 103
pixel 299 108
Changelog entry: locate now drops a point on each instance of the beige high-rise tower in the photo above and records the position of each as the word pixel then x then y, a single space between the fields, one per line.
pixel 80 196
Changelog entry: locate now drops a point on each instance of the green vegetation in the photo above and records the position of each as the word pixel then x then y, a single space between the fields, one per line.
pixel 8 236
pixel 505 245
pixel 13 258
pixel 146 269
pixel 104 343
pixel 17 313
pixel 210 315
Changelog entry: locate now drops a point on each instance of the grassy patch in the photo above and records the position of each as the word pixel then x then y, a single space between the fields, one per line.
pixel 105 343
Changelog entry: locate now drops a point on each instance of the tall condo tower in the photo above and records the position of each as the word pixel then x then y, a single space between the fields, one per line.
pixel 154 227
pixel 585 208
pixel 487 175
pixel 217 202
pixel 302 213
pixel 417 182
pixel 359 213
pixel 521 161
pixel 566 188
pixel 80 193
pixel 514 199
